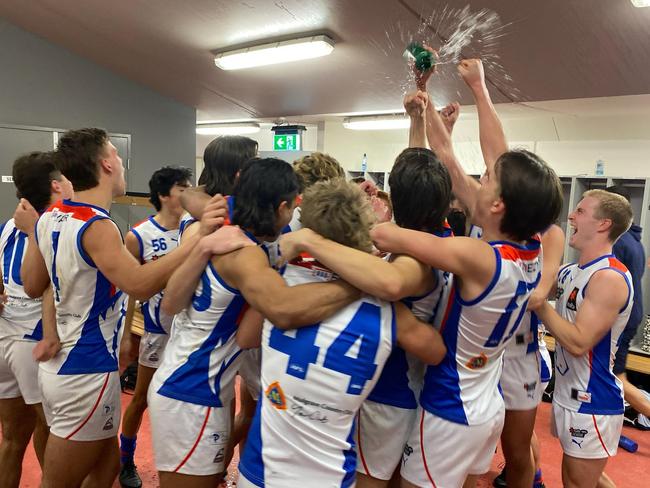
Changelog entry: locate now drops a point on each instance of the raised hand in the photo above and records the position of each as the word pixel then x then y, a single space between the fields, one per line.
pixel 214 215
pixel 293 243
pixel 227 239
pixel 449 115
pixel 422 77
pixel 471 70
pixel 25 216
pixel 416 103
pixel 383 236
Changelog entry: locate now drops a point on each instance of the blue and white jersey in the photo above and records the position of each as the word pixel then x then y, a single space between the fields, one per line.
pixel 155 241
pixel 314 380
pixel 475 231
pixel 89 310
pixel 201 357
pixel 401 380
pixel 21 317
pixel 463 388
pixel 586 384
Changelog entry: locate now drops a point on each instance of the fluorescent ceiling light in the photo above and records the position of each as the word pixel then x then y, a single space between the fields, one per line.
pixel 377 122
pixel 641 3
pixel 228 129
pixel 275 53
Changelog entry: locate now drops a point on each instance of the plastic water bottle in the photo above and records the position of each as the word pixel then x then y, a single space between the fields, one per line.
pixel 364 163
pixel 600 167
pixel 628 444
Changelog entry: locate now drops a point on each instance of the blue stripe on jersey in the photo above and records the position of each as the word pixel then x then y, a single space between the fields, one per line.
pixel 441 392
pixel 37 333
pixel 493 282
pixel 140 244
pixel 18 259
pixel 392 387
pixel 152 322
pixel 190 382
pixel 89 354
pixel 6 258
pixel 350 462
pixel 251 463
pixel 606 397
pixel 82 230
pixel 184 224
pixel 545 373
pixel 534 330
pixel 156 224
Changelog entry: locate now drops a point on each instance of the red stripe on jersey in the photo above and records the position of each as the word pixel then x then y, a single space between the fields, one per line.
pixel 513 254
pixel 450 302
pixel 616 264
pixel 82 212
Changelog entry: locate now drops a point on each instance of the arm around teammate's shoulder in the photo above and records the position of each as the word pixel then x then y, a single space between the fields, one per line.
pixel 286 307
pixel 606 295
pixel 418 338
pixel 102 242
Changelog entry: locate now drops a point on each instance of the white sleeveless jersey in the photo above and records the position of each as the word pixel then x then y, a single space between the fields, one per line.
pixel 155 241
pixel 401 379
pixel 22 314
pixel 201 357
pixel 314 380
pixel 586 384
pixel 463 388
pixel 89 310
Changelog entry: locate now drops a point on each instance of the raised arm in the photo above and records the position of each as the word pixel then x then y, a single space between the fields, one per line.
pixel 415 105
pixel 390 281
pixel 605 296
pixel 553 248
pixel 286 307
pixel 414 336
pixel 472 260
pixel 491 134
pixel 194 200
pixel 128 353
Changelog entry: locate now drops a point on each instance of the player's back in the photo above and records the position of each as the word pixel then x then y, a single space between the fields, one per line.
pixel 463 387
pixel 89 310
pixel 314 380
pixel 586 383
pixel 21 315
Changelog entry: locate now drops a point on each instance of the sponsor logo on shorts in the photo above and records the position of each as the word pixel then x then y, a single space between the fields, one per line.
pixel 408 450
pixel 477 362
pixel 578 436
pixel 219 457
pixel 153 357
pixel 530 389
pixel 571 301
pixel 108 409
pixel 108 425
pixel 275 395
pixel 218 437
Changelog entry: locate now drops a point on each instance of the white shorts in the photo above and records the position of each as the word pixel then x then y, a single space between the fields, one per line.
pixel 521 383
pixel 81 407
pixel 18 371
pixel 188 438
pixel 586 436
pixel 382 432
pixel 442 453
pixel 152 347
pixel 250 366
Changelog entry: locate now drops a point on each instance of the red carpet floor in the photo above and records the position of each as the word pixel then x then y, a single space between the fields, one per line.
pixel 627 470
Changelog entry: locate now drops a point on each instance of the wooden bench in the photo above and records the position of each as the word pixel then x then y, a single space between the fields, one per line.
pixel 635 361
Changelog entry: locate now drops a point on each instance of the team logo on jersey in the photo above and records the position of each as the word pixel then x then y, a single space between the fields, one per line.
pixel 571 301
pixel 276 396
pixel 477 362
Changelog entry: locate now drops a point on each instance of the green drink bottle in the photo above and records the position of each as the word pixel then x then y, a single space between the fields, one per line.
pixel 422 58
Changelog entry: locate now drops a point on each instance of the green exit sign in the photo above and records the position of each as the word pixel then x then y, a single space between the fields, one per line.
pixel 286 142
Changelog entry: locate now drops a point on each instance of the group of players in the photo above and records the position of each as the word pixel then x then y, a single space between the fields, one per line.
pixel 371 354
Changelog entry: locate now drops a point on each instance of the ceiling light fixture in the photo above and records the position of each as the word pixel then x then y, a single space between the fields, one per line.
pixel 641 3
pixel 275 53
pixel 377 122
pixel 227 129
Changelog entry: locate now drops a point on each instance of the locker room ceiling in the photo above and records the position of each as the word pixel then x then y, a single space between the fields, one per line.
pixel 553 50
